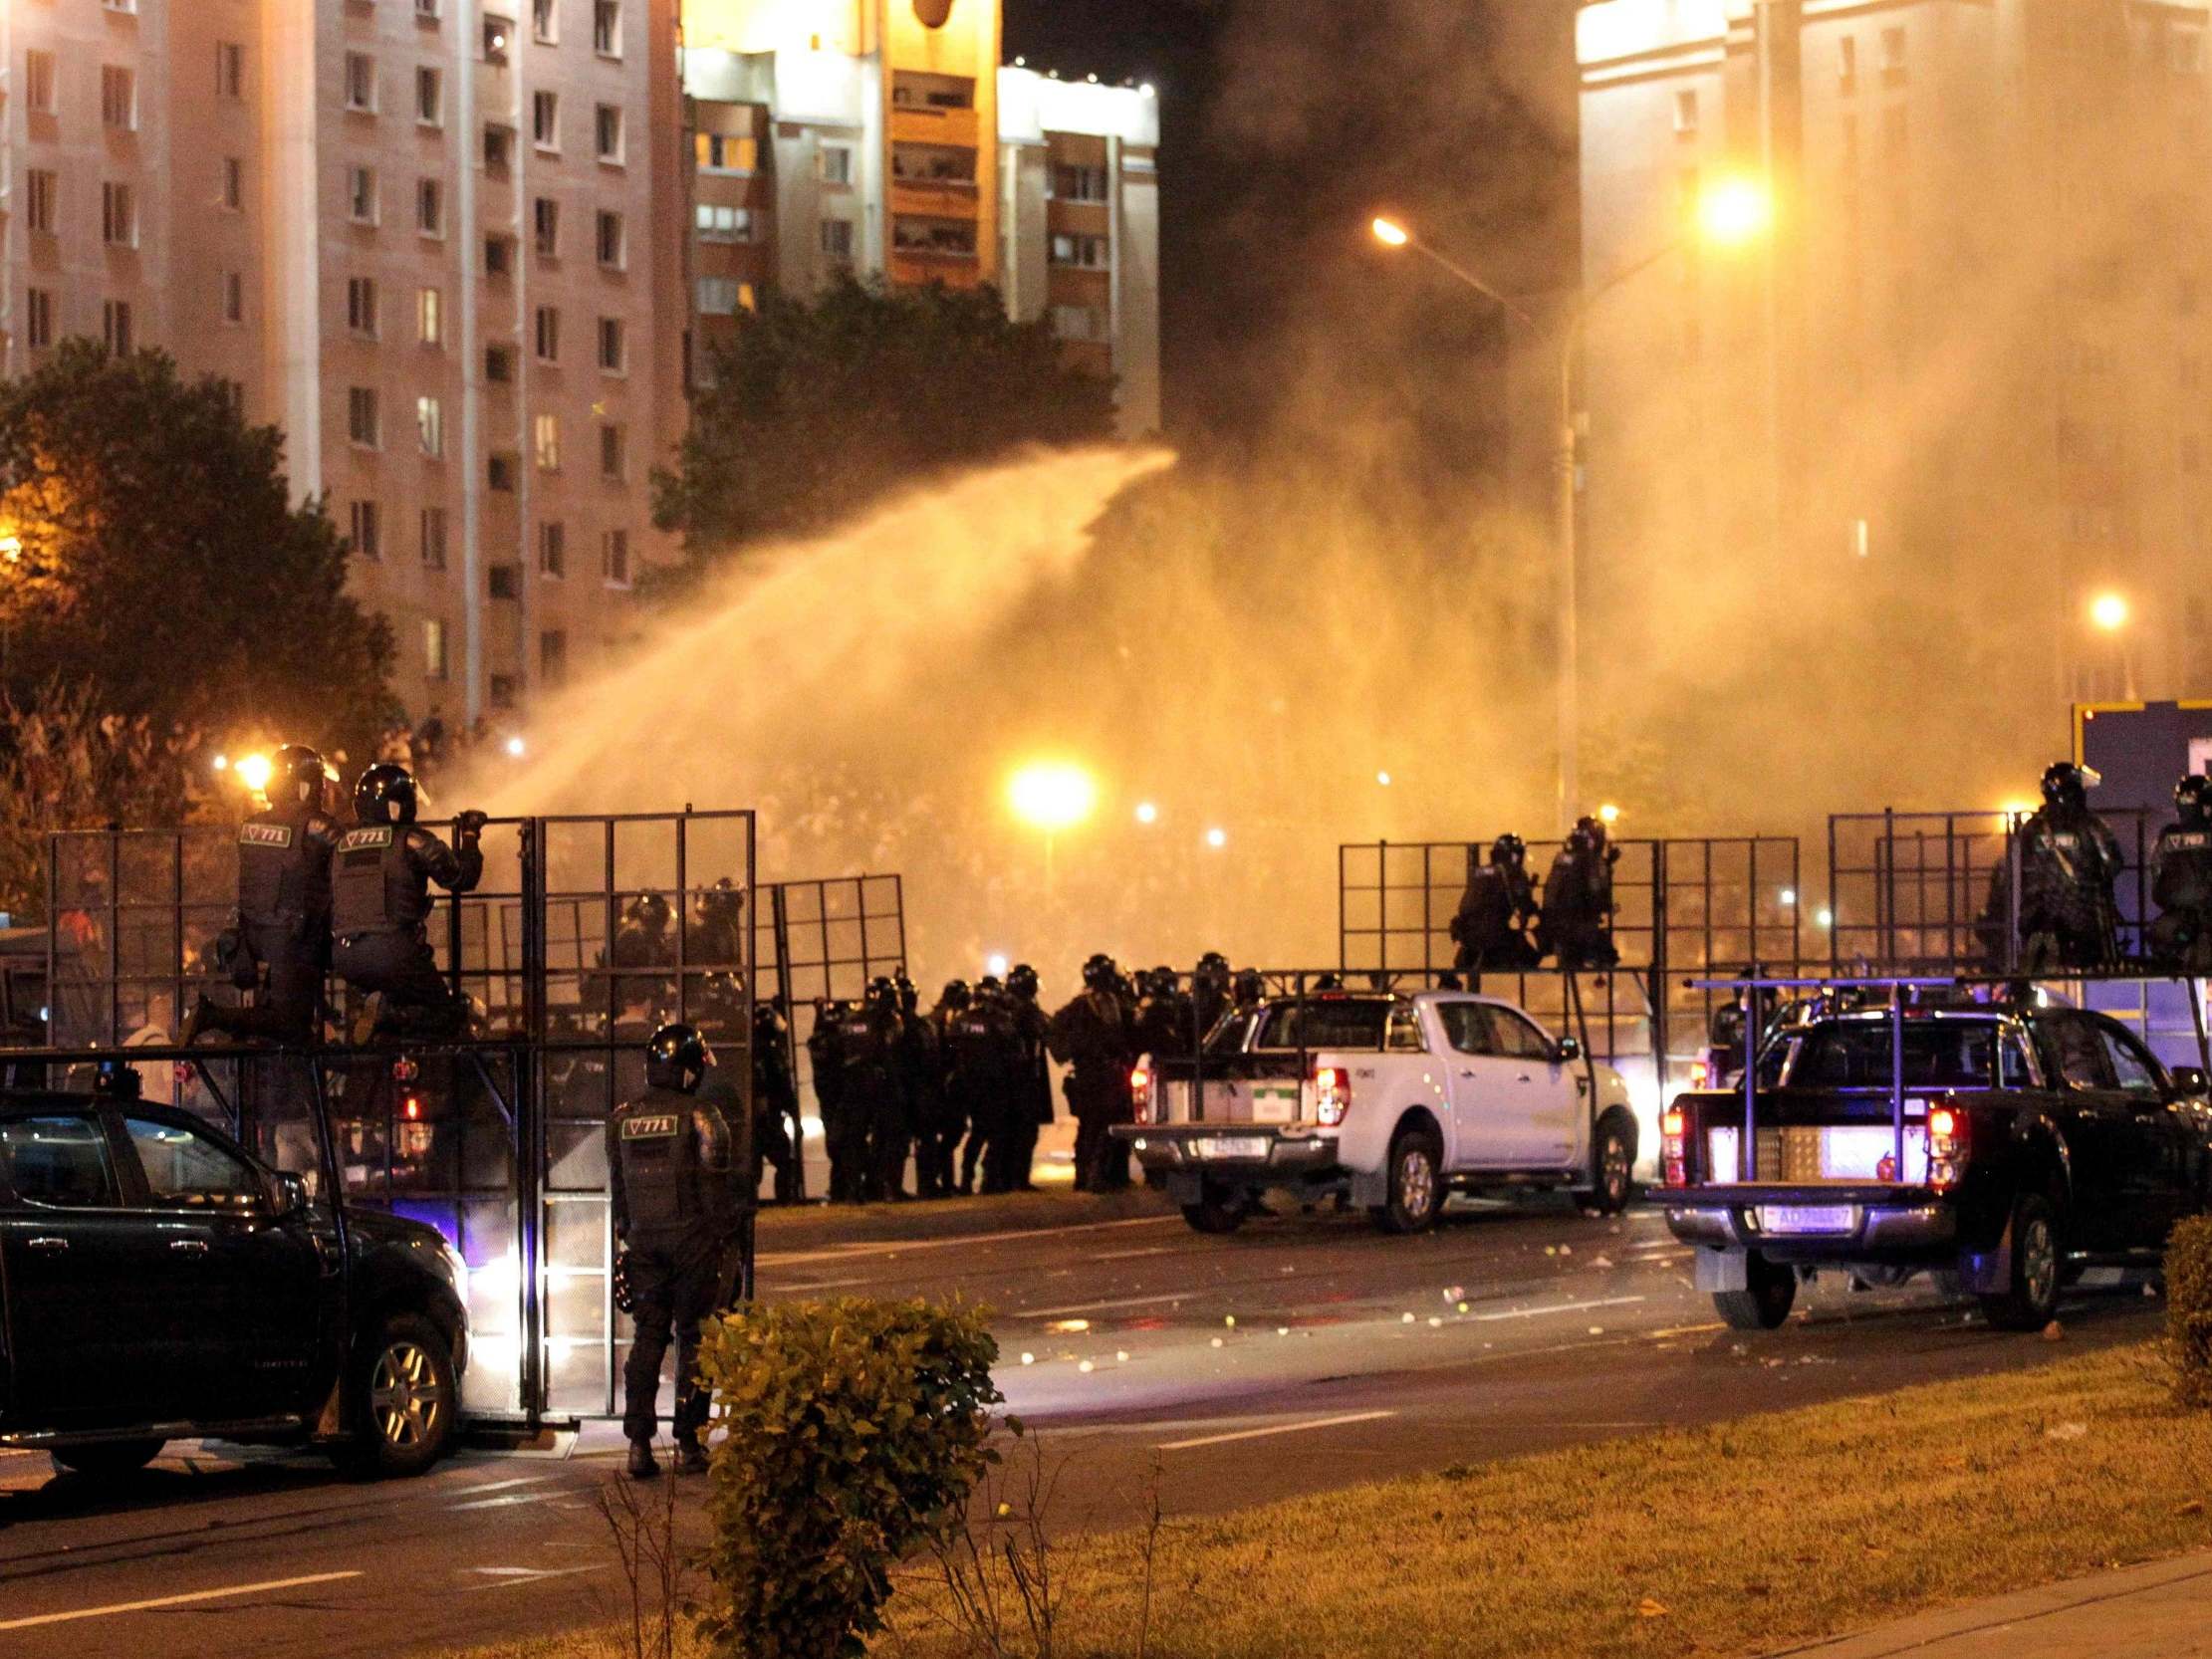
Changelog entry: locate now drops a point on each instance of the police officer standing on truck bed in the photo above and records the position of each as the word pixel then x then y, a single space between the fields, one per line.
pixel 2069 860
pixel 676 1208
pixel 1577 900
pixel 284 907
pixel 1496 911
pixel 1092 1035
pixel 1209 991
pixel 2181 881
pixel 1164 1017
pixel 381 902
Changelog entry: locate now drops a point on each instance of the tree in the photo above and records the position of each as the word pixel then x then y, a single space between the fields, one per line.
pixel 816 409
pixel 154 559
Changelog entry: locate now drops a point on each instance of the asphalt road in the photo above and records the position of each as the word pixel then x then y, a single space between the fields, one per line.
pixel 1302 1353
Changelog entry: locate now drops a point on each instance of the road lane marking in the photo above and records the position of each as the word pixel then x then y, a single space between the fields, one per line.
pixel 502 1486
pixel 895 1247
pixel 506 1578
pixel 1104 1307
pixel 176 1601
pixel 1553 1308
pixel 1276 1428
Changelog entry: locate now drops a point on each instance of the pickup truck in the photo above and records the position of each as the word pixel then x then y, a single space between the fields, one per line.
pixel 1386 1101
pixel 157 1282
pixel 2003 1149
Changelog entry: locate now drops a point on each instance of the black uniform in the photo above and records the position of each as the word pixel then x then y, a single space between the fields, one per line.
pixel 1578 905
pixel 777 1135
pixel 1495 912
pixel 675 1206
pixel 1033 1089
pixel 2069 860
pixel 922 1079
pixel 1094 1036
pixel 284 919
pixel 638 945
pixel 845 1149
pixel 2181 882
pixel 875 1101
pixel 983 1046
pixel 382 891
pixel 1164 1023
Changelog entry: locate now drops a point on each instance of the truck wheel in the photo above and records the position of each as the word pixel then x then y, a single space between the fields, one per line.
pixel 1217 1211
pixel 1763 1304
pixel 109 1461
pixel 1416 1183
pixel 1612 1165
pixel 2032 1300
pixel 407 1407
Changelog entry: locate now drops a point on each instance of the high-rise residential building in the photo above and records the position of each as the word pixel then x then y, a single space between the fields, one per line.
pixel 1964 368
pixel 424 237
pixel 883 137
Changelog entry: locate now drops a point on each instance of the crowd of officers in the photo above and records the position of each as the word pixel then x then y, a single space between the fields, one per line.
pixel 1500 926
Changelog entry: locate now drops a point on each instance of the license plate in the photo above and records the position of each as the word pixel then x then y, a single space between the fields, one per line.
pixel 1274 1106
pixel 1231 1146
pixel 1784 1220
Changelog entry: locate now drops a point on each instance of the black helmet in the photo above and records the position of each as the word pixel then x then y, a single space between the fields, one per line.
pixel 909 994
pixel 1251 986
pixel 766 1016
pixel 883 991
pixel 1023 981
pixel 1509 850
pixel 385 794
pixel 724 901
pixel 1099 973
pixel 1163 982
pixel 1330 982
pixel 989 984
pixel 678 1058
pixel 2066 784
pixel 956 994
pixel 2193 795
pixel 298 773
pixel 1213 969
pixel 116 1079
pixel 649 911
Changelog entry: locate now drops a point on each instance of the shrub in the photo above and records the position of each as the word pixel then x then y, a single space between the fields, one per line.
pixel 849 1435
pixel 2190 1310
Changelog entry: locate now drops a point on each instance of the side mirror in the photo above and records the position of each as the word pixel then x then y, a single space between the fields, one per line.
pixel 2189 1080
pixel 1566 1050
pixel 287 1194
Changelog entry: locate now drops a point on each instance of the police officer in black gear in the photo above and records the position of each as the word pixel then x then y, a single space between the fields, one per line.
pixel 2069 860
pixel 676 1209
pixel 1033 1108
pixel 937 1137
pixel 1209 991
pixel 777 1134
pixel 845 1149
pixel 876 1099
pixel 1496 912
pixel 716 938
pixel 1250 990
pixel 2181 881
pixel 381 885
pixel 1164 1018
pixel 921 1081
pixel 284 908
pixel 646 941
pixel 1095 1035
pixel 1577 925
pixel 984 1050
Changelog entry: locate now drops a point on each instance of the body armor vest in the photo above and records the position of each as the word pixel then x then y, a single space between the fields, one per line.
pixel 376 885
pixel 664 1177
pixel 284 871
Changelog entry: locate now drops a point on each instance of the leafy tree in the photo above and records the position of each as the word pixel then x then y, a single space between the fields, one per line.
pixel 818 408
pixel 158 560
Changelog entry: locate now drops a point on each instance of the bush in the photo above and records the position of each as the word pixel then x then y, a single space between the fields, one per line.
pixel 849 1435
pixel 2190 1310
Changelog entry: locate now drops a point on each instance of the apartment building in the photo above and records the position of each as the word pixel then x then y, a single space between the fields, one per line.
pixel 1967 364
pixel 424 237
pixel 883 138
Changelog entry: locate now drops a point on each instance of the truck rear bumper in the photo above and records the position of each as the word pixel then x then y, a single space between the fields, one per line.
pixel 1817 1224
pixel 1236 1154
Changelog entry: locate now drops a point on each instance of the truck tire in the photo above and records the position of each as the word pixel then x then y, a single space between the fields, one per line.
pixel 1612 1162
pixel 1217 1211
pixel 1765 1303
pixel 110 1460
pixel 406 1406
pixel 2031 1302
pixel 1416 1176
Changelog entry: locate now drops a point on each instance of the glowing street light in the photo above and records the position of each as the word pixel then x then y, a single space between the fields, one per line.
pixel 2109 611
pixel 1052 796
pixel 515 747
pixel 253 772
pixel 222 763
pixel 1382 777
pixel 1147 813
pixel 1218 838
pixel 1789 895
pixel 1392 234
pixel 1734 211
pixel 995 964
pixel 1609 814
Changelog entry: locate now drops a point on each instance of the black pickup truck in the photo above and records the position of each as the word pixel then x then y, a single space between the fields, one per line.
pixel 157 1283
pixel 2002 1147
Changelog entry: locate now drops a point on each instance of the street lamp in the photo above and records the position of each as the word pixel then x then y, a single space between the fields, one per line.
pixel 2108 612
pixel 1731 212
pixel 1052 796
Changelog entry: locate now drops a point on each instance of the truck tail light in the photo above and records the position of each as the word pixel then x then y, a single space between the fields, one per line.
pixel 1140 1093
pixel 1332 1094
pixel 1672 1140
pixel 1701 1072
pixel 1946 1147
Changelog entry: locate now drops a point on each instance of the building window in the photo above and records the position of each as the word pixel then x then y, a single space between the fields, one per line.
pixel 360 306
pixel 499 365
pixel 38 318
pixel 500 688
pixel 362 425
pixel 360 194
pixel 234 296
pixel 234 183
pixel 614 453
pixel 429 96
pixel 607 132
pixel 727 152
pixel 1071 183
pixel 547 333
pixel 1080 322
pixel 837 240
pixel 499 148
pixel 915 91
pixel 39 81
pixel 433 648
pixel 433 538
pixel 118 215
pixel 1894 57
pixel 368 530
pixel 545 120
pixel 499 473
pixel 1685 113
pixel 1846 64
pixel 499 255
pixel 505 582
pixel 553 551
pixel 954 237
pixel 545 221
pixel 544 22
pixel 495 39
pixel 606 28
pixel 430 423
pixel 836 163
pixel 429 316
pixel 612 344
pixel 717 295
pixel 724 224
pixel 553 657
pixel 42 192
pixel 361 83
pixel 614 558
pixel 545 442
pixel 610 240
pixel 119 98
pixel 426 11
pixel 114 326
pixel 430 207
pixel 946 164
pixel 230 68
pixel 1088 253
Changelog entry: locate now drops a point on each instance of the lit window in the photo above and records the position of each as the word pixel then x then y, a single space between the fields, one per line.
pixel 361 83
pixel 361 304
pixel 837 164
pixel 429 421
pixel 545 442
pixel 433 648
pixel 362 425
pixel 368 530
pixel 38 318
pixel 724 224
pixel 1088 253
pixel 612 344
pixel 549 334
pixel 727 152
pixel 119 98
pixel 429 316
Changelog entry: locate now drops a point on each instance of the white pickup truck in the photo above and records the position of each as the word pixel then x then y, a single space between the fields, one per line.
pixel 1390 1099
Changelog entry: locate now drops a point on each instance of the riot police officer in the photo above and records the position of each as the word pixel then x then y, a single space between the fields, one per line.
pixel 380 882
pixel 2069 860
pixel 1092 1035
pixel 676 1209
pixel 284 907
pixel 1165 1016
pixel 777 1135
pixel 1576 923
pixel 1209 991
pixel 1033 1089
pixel 839 1146
pixel 1496 912
pixel 921 1084
pixel 716 937
pixel 1249 990
pixel 644 941
pixel 943 1119
pixel 875 1099
pixel 984 1050
pixel 2181 881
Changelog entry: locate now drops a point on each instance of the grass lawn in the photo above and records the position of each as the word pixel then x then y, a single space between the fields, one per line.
pixel 1734 1540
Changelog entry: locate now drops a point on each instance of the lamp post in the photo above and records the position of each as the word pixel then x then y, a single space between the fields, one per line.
pixel 2109 613
pixel 1729 213
pixel 1049 797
